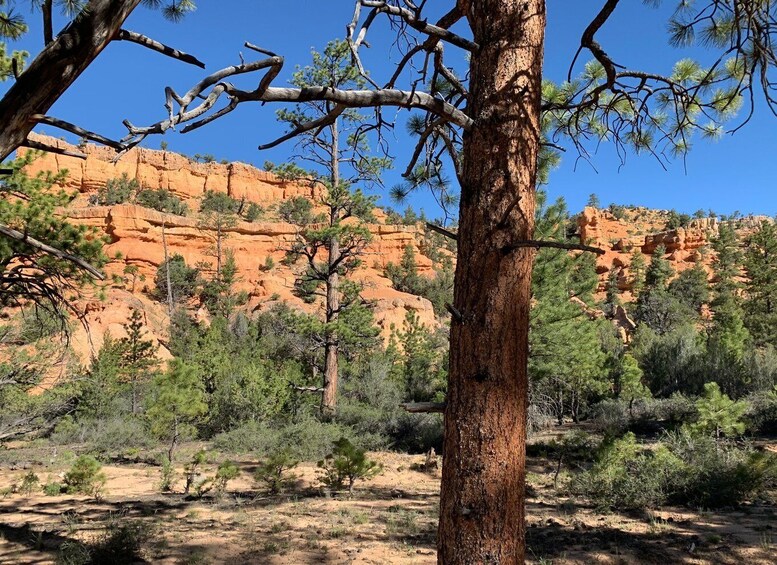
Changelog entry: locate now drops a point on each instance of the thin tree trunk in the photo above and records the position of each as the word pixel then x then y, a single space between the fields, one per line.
pixel 332 343
pixel 174 443
pixel 56 68
pixel 218 251
pixel 135 409
pixel 482 495
pixel 170 303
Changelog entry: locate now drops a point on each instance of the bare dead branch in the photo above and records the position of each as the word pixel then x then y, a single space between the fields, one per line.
pixel 265 93
pixel 424 407
pixel 412 19
pixel 127 35
pixel 441 230
pixel 311 125
pixel 553 244
pixel 51 149
pixel 72 128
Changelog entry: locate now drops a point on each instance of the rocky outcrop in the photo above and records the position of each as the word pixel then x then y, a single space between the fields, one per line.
pixel 640 230
pixel 133 237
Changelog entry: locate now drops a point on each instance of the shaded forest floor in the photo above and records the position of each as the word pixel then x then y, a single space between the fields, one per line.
pixel 390 519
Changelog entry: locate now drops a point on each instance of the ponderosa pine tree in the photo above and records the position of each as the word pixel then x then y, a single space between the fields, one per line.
pixel 637 273
pixel 138 356
pixel 489 123
pixel 760 263
pixel 339 152
pixel 566 363
pixel 611 299
pixel 691 288
pixel 728 336
pixel 176 404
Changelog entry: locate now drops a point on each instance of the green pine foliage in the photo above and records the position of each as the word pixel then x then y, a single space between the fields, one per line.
pixel 438 289
pixel 760 263
pixel 718 414
pixel 691 288
pixel 422 367
pixel 346 465
pixel 28 205
pixel 567 363
pixel 138 358
pixel 274 472
pixel 637 271
pixel 162 200
pixel 185 281
pixel 176 405
pixel 116 191
pixel 85 477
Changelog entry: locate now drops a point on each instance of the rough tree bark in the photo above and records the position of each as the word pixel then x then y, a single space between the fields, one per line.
pixel 481 509
pixel 332 343
pixel 57 67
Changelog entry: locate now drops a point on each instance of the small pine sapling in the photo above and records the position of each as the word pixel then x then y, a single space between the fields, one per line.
pixel 345 465
pixel 86 477
pixel 273 472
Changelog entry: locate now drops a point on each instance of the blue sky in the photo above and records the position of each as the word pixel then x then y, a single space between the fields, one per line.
pixel 127 81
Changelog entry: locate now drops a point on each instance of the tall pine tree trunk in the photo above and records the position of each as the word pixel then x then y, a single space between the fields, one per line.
pixel 482 498
pixel 331 343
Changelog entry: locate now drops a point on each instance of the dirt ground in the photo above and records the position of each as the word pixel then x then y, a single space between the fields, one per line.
pixel 390 519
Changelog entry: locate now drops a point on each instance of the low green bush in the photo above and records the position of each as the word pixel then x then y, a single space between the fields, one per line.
pixel 685 468
pixel 163 201
pixel 106 436
pixel 628 477
pixel 761 415
pixel 345 465
pixel 85 477
pixel 53 489
pixel 274 474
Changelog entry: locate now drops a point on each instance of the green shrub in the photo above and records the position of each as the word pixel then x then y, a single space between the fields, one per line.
pixel 184 280
pixel 53 489
pixel 30 483
pixel 716 475
pixel 761 415
pixel 345 465
pixel 105 436
pixel 254 212
pixel 226 471
pixel 274 472
pixel 115 191
pixel 162 201
pixel 192 468
pixel 627 477
pixel 246 438
pixel 718 414
pixel 220 203
pixel 85 477
pixel 167 476
pixel 297 210
pixel 686 468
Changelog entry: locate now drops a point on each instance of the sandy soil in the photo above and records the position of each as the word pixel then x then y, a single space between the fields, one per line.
pixel 390 519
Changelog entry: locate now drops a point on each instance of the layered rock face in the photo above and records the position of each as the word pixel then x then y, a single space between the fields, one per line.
pixel 640 230
pixel 134 238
